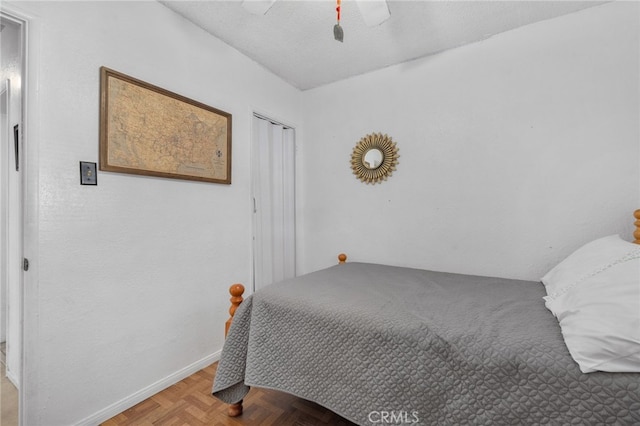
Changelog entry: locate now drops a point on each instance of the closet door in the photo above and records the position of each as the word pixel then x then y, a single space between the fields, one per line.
pixel 273 175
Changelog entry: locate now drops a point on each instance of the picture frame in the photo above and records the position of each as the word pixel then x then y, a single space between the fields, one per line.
pixel 147 130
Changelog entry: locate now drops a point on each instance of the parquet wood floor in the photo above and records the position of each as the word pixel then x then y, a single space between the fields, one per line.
pixel 8 398
pixel 190 403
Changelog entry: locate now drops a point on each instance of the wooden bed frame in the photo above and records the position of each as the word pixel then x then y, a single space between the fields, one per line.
pixel 237 290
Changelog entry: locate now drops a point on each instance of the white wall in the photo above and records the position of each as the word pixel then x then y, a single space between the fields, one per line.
pixel 513 151
pixel 129 279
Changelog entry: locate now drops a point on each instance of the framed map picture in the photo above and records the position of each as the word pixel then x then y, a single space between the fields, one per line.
pixel 146 130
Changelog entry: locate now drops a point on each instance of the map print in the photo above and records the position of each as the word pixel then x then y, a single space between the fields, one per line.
pixel 152 132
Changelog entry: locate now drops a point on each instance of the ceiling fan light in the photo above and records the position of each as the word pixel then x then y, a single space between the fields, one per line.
pixel 257 7
pixel 374 12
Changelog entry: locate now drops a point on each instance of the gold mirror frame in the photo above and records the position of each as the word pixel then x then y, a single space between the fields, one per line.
pixel 389 158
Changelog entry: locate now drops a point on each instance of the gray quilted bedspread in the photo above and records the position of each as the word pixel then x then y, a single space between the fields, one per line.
pixel 424 347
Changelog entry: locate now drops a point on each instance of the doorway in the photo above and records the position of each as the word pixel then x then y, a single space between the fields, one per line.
pixel 12 55
pixel 273 183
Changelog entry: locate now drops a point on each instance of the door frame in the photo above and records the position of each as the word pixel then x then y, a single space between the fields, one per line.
pixel 16 16
pixel 5 99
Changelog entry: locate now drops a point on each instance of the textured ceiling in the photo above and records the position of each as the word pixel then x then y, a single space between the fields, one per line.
pixel 295 38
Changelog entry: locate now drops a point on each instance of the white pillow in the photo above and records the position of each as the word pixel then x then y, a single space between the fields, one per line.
pixel 600 318
pixel 584 262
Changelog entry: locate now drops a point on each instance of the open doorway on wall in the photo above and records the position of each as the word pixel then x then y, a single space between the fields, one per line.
pixel 12 36
pixel 274 224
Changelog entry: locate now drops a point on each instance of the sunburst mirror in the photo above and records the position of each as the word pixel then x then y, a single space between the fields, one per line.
pixel 374 158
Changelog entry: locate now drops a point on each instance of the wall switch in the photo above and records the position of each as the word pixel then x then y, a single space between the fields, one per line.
pixel 88 174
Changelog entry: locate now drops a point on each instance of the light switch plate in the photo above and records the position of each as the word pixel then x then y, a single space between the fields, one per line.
pixel 88 174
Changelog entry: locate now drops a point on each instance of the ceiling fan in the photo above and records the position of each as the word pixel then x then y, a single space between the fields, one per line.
pixel 374 12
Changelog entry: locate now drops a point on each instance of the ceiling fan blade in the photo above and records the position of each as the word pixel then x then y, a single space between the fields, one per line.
pixel 257 7
pixel 374 12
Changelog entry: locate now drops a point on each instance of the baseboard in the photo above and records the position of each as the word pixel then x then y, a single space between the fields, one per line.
pixel 128 402
pixel 13 379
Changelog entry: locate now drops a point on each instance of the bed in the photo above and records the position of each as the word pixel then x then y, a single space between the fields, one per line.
pixel 380 344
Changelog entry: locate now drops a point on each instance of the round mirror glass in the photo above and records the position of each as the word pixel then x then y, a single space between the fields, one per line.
pixel 372 158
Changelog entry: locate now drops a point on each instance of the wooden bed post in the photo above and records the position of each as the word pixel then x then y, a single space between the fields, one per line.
pixel 342 258
pixel 236 291
pixel 636 233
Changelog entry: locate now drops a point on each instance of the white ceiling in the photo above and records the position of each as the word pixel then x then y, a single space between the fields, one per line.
pixel 295 38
